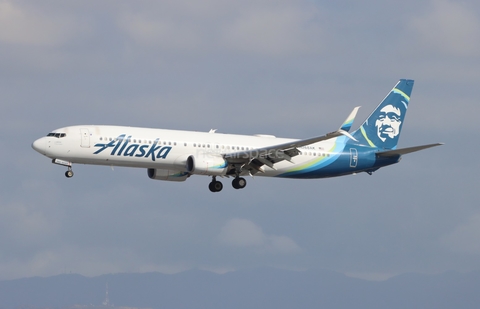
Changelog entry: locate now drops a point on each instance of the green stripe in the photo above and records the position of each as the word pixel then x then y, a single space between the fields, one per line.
pixel 365 135
pixel 403 94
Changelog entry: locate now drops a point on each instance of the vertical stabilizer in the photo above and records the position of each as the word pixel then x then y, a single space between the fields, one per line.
pixel 382 128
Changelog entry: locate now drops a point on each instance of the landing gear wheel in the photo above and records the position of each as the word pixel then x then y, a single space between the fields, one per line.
pixel 215 186
pixel 69 174
pixel 239 183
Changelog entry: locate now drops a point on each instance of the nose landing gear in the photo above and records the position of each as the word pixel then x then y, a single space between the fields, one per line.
pixel 69 172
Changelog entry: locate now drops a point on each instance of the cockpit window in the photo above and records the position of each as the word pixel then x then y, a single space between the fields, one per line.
pixel 57 135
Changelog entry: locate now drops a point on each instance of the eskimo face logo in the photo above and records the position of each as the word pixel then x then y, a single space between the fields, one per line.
pixel 122 147
pixel 388 122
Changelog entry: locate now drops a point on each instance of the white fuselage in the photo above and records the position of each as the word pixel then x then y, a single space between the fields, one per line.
pixel 160 149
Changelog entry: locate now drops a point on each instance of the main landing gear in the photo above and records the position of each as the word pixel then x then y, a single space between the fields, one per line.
pixel 239 183
pixel 217 186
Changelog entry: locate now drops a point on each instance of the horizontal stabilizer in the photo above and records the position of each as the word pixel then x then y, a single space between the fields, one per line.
pixel 402 151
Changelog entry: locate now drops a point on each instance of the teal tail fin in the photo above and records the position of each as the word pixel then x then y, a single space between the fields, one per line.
pixel 382 128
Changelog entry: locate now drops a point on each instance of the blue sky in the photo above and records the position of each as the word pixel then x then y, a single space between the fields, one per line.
pixel 288 68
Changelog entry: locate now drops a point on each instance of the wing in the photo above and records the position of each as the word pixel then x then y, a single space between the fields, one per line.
pixel 253 160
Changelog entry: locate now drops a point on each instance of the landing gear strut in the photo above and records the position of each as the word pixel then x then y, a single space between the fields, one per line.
pixel 239 183
pixel 215 186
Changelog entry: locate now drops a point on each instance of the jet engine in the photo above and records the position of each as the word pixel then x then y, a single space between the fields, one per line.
pixel 170 175
pixel 207 164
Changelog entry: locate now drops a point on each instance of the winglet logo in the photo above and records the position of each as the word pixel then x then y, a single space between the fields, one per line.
pixel 123 147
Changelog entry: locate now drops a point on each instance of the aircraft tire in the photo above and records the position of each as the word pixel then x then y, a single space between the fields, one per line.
pixel 239 183
pixel 218 186
pixel 215 186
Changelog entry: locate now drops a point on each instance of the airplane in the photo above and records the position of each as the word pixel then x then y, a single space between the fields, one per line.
pixel 174 155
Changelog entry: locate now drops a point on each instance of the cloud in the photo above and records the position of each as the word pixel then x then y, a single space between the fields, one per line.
pixel 25 226
pixel 88 261
pixel 450 28
pixel 165 33
pixel 254 27
pixel 465 238
pixel 242 233
pixel 280 31
pixel 18 25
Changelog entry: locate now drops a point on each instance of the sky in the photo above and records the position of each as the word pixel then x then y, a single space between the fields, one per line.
pixel 288 68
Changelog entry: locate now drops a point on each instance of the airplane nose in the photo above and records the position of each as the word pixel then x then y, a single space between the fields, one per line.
pixel 39 145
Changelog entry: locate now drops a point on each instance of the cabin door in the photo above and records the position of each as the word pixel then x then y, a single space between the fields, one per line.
pixel 84 138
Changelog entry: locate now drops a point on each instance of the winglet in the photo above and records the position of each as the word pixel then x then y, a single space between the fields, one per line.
pixel 347 124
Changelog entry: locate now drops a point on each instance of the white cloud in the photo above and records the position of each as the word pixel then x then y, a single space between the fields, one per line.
pixel 30 222
pixel 24 226
pixel 87 261
pixel 165 33
pixel 465 238
pixel 283 30
pixel 450 28
pixel 244 233
pixel 256 27
pixel 20 26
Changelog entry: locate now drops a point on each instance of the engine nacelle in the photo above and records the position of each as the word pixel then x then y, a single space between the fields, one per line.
pixel 207 164
pixel 169 175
